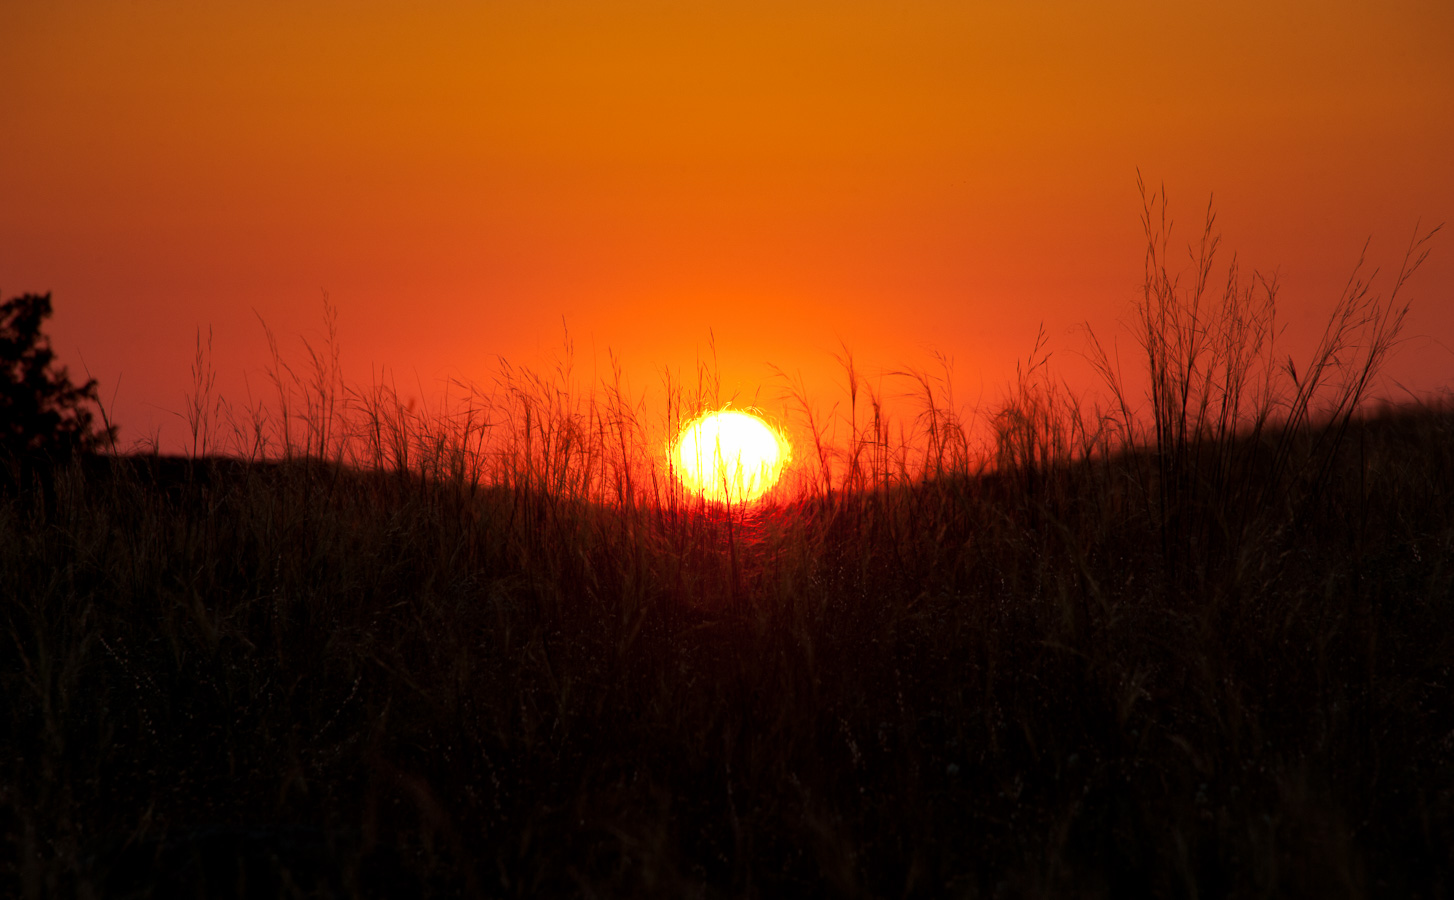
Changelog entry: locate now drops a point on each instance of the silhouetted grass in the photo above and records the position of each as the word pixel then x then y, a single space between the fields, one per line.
pixel 491 649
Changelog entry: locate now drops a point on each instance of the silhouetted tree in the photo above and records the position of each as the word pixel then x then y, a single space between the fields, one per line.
pixel 42 415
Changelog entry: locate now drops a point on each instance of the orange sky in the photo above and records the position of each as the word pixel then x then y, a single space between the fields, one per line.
pixel 903 178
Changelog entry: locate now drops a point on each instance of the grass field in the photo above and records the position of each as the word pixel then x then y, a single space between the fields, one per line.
pixel 1198 649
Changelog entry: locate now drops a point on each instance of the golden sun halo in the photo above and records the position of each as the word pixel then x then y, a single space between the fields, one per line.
pixel 730 456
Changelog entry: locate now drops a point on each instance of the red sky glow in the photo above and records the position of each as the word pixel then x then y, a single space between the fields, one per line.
pixel 466 181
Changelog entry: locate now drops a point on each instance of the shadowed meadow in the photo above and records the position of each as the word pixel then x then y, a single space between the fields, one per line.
pixel 1192 638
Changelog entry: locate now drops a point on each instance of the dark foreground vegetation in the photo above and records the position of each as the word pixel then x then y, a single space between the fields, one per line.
pixel 1204 650
pixel 293 680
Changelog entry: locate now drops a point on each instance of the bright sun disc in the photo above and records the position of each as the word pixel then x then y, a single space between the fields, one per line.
pixel 730 456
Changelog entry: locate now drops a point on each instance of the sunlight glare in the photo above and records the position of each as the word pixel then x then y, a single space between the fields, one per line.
pixel 730 456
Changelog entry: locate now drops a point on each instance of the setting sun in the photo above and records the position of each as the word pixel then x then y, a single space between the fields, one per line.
pixel 730 456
